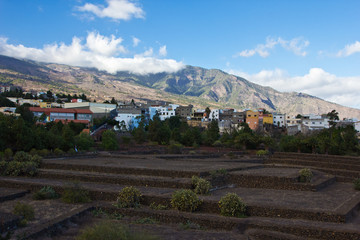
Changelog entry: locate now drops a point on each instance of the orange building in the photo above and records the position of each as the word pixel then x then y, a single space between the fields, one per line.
pixel 252 119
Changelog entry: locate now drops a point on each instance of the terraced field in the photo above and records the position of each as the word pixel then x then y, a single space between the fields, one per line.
pixel 279 206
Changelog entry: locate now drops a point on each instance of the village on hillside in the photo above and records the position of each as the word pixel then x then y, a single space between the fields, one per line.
pixel 49 107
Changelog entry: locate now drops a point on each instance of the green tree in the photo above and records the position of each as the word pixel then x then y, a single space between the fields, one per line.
pixel 113 101
pixel 109 141
pixel 333 117
pixel 68 137
pixel 212 133
pixel 207 111
pixel 139 133
pixel 4 102
pixel 25 113
pixel 84 141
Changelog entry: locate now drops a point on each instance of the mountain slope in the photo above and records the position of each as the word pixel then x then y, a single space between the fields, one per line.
pixel 198 86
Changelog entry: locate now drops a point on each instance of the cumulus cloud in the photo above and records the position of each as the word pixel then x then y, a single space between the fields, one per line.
pixel 136 41
pixel 163 51
pixel 295 45
pixel 317 82
pixel 349 49
pixel 98 51
pixel 103 45
pixel 115 9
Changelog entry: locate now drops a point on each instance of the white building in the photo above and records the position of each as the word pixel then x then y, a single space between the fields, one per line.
pixel 214 114
pixel 164 112
pixel 128 120
pixel 357 126
pixel 315 122
pixel 279 119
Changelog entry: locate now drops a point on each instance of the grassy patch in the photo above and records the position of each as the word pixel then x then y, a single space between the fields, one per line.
pixel 25 211
pixel 46 192
pixel 108 230
pixel 74 193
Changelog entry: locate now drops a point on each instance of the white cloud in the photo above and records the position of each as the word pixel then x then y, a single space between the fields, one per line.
pixel 98 51
pixel 103 45
pixel 147 53
pixel 115 9
pixel 163 51
pixel 136 41
pixel 349 49
pixel 319 83
pixel 295 45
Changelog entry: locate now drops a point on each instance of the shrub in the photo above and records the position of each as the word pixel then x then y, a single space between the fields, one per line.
pixel 200 185
pixel 357 184
pixel 217 143
pixel 128 197
pixel 155 206
pixel 36 159
pixel 74 193
pixel 43 152
pixel 185 200
pixel 33 152
pixel 3 167
pixel 24 210
pixel 305 175
pixel 14 168
pixel 108 230
pixel 175 148
pixel 261 153
pixel 220 173
pixel 8 153
pixel 232 205
pixel 29 168
pixel 58 152
pixel 22 156
pixel 46 192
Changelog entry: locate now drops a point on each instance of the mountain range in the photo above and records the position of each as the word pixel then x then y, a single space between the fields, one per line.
pixel 192 85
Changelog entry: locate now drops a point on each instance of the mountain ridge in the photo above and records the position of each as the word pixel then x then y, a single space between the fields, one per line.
pixel 191 85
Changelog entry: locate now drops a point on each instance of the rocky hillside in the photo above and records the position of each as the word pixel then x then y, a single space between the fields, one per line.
pixel 198 86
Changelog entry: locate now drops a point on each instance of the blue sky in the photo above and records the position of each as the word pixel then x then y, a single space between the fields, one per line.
pixel 304 46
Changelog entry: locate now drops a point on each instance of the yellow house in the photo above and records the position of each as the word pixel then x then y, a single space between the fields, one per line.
pixel 266 118
pixel 45 105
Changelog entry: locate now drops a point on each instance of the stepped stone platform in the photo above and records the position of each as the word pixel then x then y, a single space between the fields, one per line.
pixel 130 179
pixel 7 194
pixel 344 168
pixel 279 207
pixel 279 178
pixel 147 166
